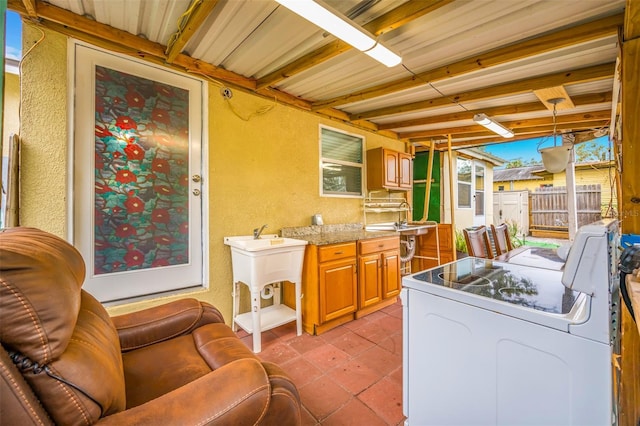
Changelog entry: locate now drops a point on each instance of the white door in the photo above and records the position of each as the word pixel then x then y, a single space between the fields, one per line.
pixel 137 189
pixel 512 207
pixel 479 199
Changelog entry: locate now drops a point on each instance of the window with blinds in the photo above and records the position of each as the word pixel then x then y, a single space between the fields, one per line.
pixel 341 163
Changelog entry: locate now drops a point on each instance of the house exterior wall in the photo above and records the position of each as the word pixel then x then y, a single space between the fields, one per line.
pixel 522 185
pixel 593 176
pixel 584 175
pixel 463 216
pixel 265 170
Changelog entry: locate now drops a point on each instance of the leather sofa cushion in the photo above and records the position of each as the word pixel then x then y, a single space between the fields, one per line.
pixel 58 335
pixel 35 319
pixel 155 370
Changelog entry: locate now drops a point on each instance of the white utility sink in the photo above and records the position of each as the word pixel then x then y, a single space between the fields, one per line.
pixel 259 263
pixel 265 242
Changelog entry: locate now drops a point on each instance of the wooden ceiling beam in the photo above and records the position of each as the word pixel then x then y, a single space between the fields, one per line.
pixel 391 20
pixel 194 21
pixel 30 6
pixel 588 99
pixel 559 39
pixel 597 72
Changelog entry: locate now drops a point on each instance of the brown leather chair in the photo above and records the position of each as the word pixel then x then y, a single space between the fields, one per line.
pixel 64 361
pixel 478 244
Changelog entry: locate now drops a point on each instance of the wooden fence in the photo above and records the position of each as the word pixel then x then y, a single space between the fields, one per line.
pixel 549 212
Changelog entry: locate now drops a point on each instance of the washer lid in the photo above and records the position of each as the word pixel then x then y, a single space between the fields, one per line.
pixel 533 294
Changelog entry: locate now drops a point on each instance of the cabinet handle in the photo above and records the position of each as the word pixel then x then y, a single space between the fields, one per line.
pixel 380 245
pixel 339 252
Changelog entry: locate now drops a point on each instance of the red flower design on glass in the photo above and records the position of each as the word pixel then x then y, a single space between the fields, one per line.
pixel 159 262
pixel 163 240
pixel 134 152
pixel 125 176
pixel 161 116
pixel 102 132
pixel 160 216
pixel 134 205
pixel 126 123
pixel 184 180
pixel 163 190
pixel 102 188
pixel 125 230
pixel 134 99
pixel 184 228
pixel 161 166
pixel 134 258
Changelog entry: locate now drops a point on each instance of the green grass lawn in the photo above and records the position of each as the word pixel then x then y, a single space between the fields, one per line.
pixel 530 243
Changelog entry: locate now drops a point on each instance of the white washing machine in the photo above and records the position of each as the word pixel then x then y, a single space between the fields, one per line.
pixel 491 343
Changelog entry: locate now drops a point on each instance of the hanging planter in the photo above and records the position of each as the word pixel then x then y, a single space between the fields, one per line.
pixel 555 158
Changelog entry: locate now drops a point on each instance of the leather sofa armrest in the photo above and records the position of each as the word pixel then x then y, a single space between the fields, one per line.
pixel 235 394
pixel 159 323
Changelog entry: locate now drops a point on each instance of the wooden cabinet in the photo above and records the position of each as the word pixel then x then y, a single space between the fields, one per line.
pixel 388 169
pixel 344 281
pixel 426 247
pixel 329 286
pixel 338 290
pixel 378 271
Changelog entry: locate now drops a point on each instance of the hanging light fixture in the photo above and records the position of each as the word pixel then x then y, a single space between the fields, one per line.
pixel 493 125
pixel 342 27
pixel 555 158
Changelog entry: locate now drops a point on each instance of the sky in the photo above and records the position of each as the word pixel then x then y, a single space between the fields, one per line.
pixel 528 149
pixel 523 150
pixel 13 42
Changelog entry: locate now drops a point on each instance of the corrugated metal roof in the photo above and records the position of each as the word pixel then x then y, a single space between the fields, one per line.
pixel 254 38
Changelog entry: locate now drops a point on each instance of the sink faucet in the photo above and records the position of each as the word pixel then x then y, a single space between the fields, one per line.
pixel 258 231
pixel 404 222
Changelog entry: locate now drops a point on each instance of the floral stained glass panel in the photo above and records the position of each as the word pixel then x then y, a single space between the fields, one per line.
pixel 141 173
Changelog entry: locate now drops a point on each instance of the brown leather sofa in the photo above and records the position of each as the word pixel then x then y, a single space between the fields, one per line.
pixel 65 361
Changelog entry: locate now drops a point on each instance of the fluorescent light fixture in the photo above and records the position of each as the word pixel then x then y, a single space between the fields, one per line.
pixel 492 125
pixel 342 27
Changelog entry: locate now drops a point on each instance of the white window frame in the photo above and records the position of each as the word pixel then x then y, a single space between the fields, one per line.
pixel 469 184
pixel 326 160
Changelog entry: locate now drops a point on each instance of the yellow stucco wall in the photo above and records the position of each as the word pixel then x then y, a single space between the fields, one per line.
pixel 265 170
pixel 44 132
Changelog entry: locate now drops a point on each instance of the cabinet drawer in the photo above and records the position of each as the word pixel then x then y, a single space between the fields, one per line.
pixel 336 251
pixel 379 244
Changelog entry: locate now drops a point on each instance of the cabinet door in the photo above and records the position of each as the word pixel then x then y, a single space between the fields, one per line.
pixel 369 280
pixel 391 274
pixel 405 169
pixel 392 174
pixel 338 288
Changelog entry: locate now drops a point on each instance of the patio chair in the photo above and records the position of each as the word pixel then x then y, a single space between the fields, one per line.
pixel 501 238
pixel 478 244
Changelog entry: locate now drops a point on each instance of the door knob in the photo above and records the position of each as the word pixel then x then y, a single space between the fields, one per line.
pixel 196 178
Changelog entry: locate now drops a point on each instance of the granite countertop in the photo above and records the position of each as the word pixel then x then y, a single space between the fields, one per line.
pixel 333 234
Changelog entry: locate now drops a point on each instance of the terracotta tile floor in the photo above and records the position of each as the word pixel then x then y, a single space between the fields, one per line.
pixel 351 375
